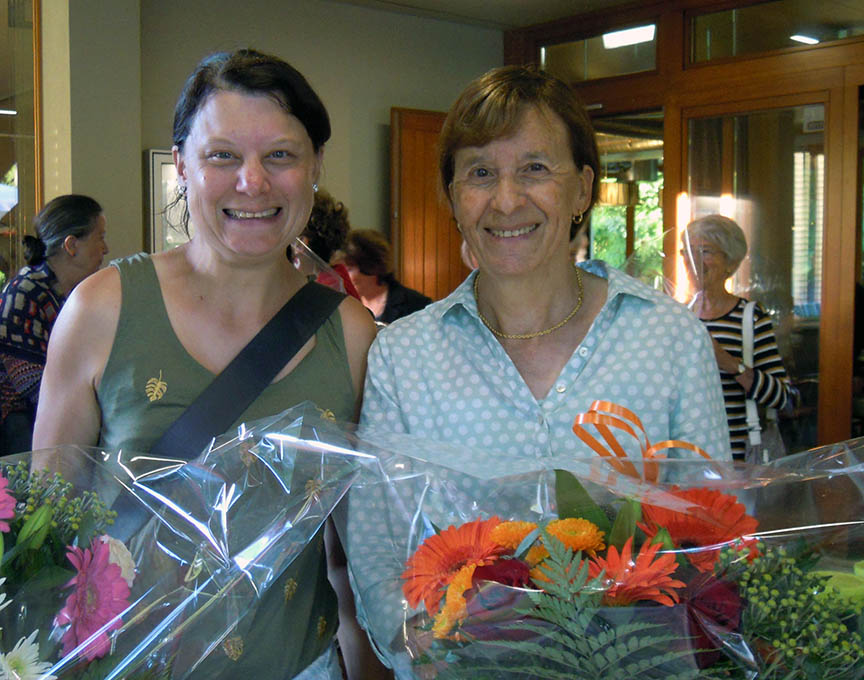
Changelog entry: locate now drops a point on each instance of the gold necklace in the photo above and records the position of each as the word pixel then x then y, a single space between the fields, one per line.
pixel 536 334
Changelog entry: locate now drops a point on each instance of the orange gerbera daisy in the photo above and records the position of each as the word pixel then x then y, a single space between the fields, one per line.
pixel 441 556
pixel 644 579
pixel 716 519
pixel 577 534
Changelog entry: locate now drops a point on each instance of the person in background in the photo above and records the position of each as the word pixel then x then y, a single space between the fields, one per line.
pixel 69 246
pixel 325 234
pixel 529 340
pixel 369 261
pixel 249 134
pixel 713 248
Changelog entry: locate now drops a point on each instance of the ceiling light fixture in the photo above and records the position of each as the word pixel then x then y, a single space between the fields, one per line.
pixel 629 36
pixel 8 112
pixel 806 39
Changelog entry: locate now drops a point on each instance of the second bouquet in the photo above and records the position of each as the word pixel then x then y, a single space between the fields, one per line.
pixel 707 570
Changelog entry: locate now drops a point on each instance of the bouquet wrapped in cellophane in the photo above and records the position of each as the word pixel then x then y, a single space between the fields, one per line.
pixel 124 565
pixel 609 567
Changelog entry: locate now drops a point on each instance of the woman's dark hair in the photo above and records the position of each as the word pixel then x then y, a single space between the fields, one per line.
pixel 254 73
pixel 250 72
pixel 491 107
pixel 328 226
pixel 370 252
pixel 69 215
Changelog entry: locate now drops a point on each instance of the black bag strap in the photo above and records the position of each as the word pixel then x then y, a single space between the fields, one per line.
pixel 236 387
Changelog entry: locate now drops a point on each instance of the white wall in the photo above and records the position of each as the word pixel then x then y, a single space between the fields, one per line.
pixel 105 98
pixel 56 101
pixel 360 61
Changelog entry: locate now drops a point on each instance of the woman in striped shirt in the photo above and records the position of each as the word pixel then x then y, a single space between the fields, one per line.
pixel 713 248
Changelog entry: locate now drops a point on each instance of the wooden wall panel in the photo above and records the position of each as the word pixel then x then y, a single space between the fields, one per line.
pixel 424 236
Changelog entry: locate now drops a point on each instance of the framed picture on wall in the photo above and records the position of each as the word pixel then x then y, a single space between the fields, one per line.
pixel 164 218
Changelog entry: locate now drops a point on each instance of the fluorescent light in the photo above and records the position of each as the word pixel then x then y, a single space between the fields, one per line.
pixel 806 39
pixel 8 112
pixel 629 36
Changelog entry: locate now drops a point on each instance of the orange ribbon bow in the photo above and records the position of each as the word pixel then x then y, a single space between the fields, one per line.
pixel 605 415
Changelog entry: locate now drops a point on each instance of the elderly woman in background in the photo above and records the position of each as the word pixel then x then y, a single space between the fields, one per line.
pixel 69 246
pixel 713 248
pixel 249 136
pixel 529 340
pixel 369 261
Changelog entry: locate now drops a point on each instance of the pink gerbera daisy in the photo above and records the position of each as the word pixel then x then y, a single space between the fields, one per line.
pixel 7 504
pixel 93 609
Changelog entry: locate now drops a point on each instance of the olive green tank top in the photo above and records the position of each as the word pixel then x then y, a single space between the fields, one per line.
pixel 148 382
pixel 150 378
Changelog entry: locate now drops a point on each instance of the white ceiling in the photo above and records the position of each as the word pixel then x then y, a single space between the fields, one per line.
pixel 501 14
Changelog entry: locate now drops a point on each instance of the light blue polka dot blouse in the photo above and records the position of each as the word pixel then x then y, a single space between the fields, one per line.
pixel 441 374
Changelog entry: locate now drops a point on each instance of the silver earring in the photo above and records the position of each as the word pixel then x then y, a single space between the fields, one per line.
pixel 181 191
pixel 315 188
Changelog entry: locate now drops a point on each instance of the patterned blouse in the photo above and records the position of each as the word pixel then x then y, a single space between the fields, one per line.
pixel 770 385
pixel 29 306
pixel 441 374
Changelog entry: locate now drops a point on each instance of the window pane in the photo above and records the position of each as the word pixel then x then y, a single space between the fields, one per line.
pixel 858 344
pixel 774 189
pixel 17 150
pixel 772 25
pixel 612 54
pixel 627 222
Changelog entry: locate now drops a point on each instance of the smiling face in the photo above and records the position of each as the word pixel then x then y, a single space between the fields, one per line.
pixel 515 197
pixel 248 167
pixel 707 265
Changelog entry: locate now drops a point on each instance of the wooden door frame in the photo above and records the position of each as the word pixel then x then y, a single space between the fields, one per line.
pixel 839 232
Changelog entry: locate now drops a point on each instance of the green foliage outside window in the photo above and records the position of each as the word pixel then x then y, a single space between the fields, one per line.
pixel 609 237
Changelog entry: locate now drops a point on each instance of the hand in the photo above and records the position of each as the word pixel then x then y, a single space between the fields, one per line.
pixel 725 361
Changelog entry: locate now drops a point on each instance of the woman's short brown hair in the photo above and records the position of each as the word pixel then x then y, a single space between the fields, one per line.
pixel 370 252
pixel 492 106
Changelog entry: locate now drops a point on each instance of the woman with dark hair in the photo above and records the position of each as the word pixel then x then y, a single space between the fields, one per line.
pixel 325 235
pixel 249 134
pixel 69 246
pixel 531 339
pixel 369 261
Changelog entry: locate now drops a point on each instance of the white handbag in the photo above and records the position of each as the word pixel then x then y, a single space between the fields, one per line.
pixel 762 446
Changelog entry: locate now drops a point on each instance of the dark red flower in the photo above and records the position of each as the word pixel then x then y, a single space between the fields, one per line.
pixel 713 612
pixel 508 572
pixel 492 609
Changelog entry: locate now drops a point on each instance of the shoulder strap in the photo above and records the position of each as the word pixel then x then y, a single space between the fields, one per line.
pixel 236 387
pixel 753 426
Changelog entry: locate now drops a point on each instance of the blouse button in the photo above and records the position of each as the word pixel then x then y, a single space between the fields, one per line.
pixel 560 389
pixel 583 352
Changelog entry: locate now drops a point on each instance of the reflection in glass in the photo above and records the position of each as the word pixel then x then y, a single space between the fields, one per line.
pixel 627 223
pixel 858 343
pixel 766 171
pixel 17 138
pixel 617 53
pixel 773 26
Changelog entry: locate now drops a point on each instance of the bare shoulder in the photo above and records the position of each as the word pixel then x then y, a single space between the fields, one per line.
pixel 81 341
pixel 359 330
pixel 96 300
pixel 359 326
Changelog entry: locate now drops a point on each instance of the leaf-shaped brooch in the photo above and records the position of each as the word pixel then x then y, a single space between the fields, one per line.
pixel 155 388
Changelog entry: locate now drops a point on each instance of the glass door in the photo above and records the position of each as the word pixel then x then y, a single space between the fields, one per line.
pixel 18 159
pixel 626 229
pixel 766 170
